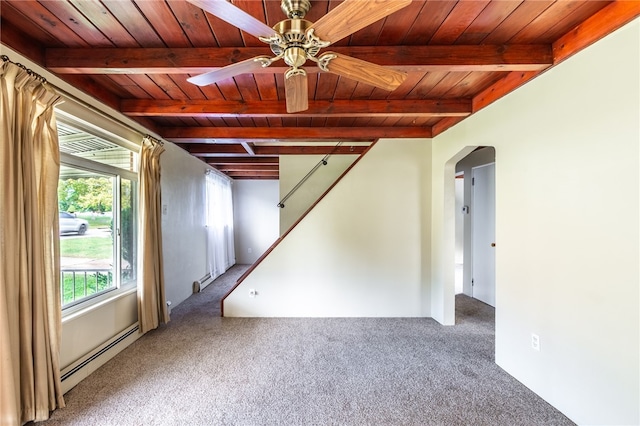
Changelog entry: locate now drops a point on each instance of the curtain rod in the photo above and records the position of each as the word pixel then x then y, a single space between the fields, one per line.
pixel 29 71
pixel 75 99
pixel 154 140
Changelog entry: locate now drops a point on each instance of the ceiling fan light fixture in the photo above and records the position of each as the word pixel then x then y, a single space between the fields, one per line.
pixel 295 57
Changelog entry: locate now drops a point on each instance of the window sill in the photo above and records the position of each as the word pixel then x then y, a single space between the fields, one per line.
pixel 96 303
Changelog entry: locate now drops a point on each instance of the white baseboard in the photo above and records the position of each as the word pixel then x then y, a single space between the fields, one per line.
pixel 79 370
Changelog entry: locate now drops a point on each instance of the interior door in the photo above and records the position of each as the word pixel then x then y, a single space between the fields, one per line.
pixel 483 233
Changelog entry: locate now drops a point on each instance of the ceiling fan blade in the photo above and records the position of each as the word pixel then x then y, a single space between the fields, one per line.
pixel 356 69
pixel 353 15
pixel 242 67
pixel 235 16
pixel 297 93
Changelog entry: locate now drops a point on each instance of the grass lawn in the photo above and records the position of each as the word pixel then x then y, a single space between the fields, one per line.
pixel 91 247
pixel 85 285
pixel 90 282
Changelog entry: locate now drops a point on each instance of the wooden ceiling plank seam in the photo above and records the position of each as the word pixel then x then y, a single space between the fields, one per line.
pixel 430 22
pixel 149 86
pixel 255 9
pixel 395 30
pixel 439 91
pixel 266 85
pixel 575 17
pixel 125 82
pixel 164 22
pixel 194 23
pixel 458 20
pixel 487 21
pixel 229 89
pixel 551 16
pixel 225 35
pixel 426 84
pixel 367 36
pixel 29 14
pixel 168 86
pixel 326 86
pixel 120 91
pixel 104 21
pixel 133 20
pixel 71 17
pixel 466 87
pixel 191 91
pixel 524 14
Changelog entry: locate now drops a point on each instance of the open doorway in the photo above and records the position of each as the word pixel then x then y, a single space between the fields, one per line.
pixel 475 225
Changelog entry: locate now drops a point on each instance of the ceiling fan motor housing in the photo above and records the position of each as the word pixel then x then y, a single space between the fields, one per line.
pixel 293 32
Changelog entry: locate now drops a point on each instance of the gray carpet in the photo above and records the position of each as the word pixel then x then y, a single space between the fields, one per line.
pixel 205 370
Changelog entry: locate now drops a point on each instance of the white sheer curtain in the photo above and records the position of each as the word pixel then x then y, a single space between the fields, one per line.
pixel 219 224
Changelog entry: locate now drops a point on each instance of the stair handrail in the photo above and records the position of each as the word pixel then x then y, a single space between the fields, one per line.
pixel 322 162
pixel 281 238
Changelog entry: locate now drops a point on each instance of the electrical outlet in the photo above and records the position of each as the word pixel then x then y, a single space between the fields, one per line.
pixel 535 342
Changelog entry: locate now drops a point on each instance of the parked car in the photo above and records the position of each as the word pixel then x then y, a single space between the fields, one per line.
pixel 69 224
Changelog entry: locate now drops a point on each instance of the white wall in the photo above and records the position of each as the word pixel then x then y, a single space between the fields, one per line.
pixel 256 218
pixel 358 252
pixel 183 222
pixel 567 209
pixel 293 168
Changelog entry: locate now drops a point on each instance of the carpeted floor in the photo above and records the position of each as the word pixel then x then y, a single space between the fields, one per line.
pixel 205 370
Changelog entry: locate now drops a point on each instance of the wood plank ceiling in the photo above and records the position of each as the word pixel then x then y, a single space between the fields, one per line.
pixel 459 56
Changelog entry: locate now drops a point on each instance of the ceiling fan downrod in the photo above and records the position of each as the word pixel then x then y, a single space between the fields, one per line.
pixel 295 9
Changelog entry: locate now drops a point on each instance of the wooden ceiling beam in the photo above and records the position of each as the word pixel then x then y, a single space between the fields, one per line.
pixel 198 59
pixel 253 175
pixel 245 134
pixel 216 150
pixel 246 161
pixel 234 167
pixel 605 21
pixel 338 108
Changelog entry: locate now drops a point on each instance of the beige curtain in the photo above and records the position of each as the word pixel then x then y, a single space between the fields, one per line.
pixel 152 306
pixel 30 315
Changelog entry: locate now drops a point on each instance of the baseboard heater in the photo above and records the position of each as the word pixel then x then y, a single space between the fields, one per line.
pixel 83 368
pixel 200 284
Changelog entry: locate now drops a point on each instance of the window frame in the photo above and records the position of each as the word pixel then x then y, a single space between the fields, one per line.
pixel 92 301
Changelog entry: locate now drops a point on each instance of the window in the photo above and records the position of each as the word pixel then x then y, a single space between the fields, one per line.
pixel 97 198
pixel 219 224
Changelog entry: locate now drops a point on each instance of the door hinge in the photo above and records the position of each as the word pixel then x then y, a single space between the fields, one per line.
pixel 472 281
pixel 473 181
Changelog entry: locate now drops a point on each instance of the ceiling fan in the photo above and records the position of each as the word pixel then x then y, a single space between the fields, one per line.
pixel 296 40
